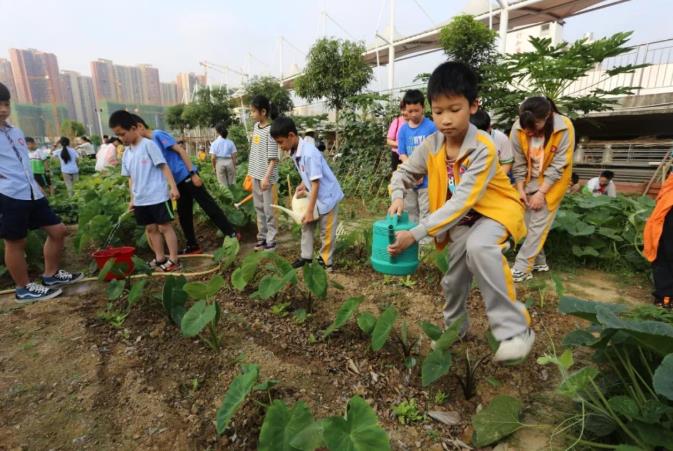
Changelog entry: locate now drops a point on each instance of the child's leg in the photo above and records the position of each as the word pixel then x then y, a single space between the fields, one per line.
pixel 171 238
pixel 328 227
pixel 231 172
pixel 156 242
pixel 15 260
pixel 538 224
pixel 221 171
pixel 53 247
pixel 307 233
pixel 411 204
pixel 270 197
pixel 541 258
pixel 507 316
pixel 457 280
pixel 258 201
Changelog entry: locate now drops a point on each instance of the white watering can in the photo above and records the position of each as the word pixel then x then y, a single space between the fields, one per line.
pixel 299 206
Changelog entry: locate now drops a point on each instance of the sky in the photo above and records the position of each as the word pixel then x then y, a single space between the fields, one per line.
pixel 175 36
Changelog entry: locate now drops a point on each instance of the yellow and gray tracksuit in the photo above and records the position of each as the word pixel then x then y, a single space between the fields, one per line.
pixel 556 170
pixel 480 191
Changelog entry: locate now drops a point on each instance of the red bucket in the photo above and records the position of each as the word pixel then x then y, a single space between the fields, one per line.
pixel 123 261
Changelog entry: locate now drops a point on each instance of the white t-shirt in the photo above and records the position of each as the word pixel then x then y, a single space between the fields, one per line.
pixel 594 187
pixel 503 145
pixel 141 162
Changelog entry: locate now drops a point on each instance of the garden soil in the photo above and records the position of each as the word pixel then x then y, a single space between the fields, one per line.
pixel 69 380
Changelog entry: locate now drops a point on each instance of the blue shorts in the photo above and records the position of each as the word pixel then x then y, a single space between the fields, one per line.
pixel 17 217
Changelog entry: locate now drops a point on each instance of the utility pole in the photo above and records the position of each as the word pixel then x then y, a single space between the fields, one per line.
pixel 391 48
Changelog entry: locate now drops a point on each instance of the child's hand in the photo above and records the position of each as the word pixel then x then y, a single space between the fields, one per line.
pixel 308 217
pixel 403 240
pixel 196 180
pixel 131 206
pixel 265 184
pixel 537 201
pixel 523 197
pixel 396 207
pixel 175 194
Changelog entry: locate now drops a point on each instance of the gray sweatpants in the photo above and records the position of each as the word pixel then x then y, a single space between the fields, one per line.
pixel 70 180
pixel 224 169
pixel 538 223
pixel 328 226
pixel 417 204
pixel 477 252
pixel 266 215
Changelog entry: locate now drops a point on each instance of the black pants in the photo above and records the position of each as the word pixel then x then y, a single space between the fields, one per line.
pixel 394 161
pixel 662 267
pixel 188 194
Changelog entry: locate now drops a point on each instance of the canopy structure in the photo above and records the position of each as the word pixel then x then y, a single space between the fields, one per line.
pixel 509 15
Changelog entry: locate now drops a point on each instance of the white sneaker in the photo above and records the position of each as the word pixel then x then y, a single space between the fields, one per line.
pixel 541 268
pixel 518 276
pixel 515 348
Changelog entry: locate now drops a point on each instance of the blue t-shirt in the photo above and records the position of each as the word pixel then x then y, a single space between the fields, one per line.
pixel 71 166
pixel 16 177
pixel 222 148
pixel 141 162
pixel 165 141
pixel 409 138
pixel 311 165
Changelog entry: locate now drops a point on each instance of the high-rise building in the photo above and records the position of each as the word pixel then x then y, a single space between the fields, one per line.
pixel 151 84
pixel 36 76
pixel 104 80
pixel 80 99
pixel 187 83
pixel 130 83
pixel 6 76
pixel 519 41
pixel 169 94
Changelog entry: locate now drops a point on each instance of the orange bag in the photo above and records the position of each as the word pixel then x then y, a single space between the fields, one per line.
pixel 654 226
pixel 247 183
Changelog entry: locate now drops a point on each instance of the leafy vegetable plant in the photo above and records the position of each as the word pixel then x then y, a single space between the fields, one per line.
pixel 205 312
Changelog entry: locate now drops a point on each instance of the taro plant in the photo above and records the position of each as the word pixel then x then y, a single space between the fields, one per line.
pixel 227 253
pixel 238 391
pixel 468 381
pixel 438 362
pixel 122 290
pixel 378 329
pixel 343 315
pixel 174 298
pixel 205 312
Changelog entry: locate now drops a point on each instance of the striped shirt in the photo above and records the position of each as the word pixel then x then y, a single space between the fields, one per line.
pixel 262 150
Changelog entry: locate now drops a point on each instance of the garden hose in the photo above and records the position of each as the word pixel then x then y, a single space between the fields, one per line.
pixel 154 274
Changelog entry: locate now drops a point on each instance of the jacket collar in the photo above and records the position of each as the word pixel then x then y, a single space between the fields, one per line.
pixel 469 142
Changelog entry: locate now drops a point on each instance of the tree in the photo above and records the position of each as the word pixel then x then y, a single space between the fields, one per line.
pixel 210 107
pixel 72 129
pixel 335 71
pixel 551 70
pixel 469 41
pixel 271 88
pixel 174 117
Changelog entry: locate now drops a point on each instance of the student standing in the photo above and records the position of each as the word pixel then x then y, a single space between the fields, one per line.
pixel 658 245
pixel 411 135
pixel 603 185
pixel 263 169
pixel 68 157
pixel 393 131
pixel 543 141
pixel 86 149
pixel 190 187
pixel 149 178
pixel 319 184
pixel 23 207
pixel 482 120
pixel 474 209
pixel 39 161
pixel 223 156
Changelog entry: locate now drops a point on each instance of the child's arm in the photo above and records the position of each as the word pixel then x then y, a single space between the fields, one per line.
pixel 312 199
pixel 520 165
pixel 213 160
pixel 175 194
pixel 266 182
pixel 196 180
pixel 131 193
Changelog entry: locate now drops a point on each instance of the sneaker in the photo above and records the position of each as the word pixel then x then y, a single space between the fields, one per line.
pixel 154 263
pixel 541 268
pixel 298 263
pixel 169 266
pixel 35 292
pixel 326 267
pixel 270 247
pixel 261 244
pixel 62 278
pixel 192 249
pixel 519 276
pixel 515 348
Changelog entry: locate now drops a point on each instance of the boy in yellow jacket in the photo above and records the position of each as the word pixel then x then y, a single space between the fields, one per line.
pixel 473 209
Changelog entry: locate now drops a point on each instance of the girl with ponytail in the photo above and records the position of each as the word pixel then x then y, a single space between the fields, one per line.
pixel 67 156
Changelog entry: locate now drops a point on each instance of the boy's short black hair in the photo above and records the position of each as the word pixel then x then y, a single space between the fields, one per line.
pixel 29 139
pixel 453 79
pixel 221 129
pixel 481 119
pixel 123 119
pixel 608 174
pixel 140 120
pixel 4 93
pixel 413 97
pixel 282 127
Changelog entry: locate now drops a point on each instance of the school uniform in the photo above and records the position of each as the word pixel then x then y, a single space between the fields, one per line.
pixel 223 150
pixel 263 150
pixel 23 207
pixel 473 210
pixel 69 170
pixel 312 166
pixel 535 164
pixel 142 162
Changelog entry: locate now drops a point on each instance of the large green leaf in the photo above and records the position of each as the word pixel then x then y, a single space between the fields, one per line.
pixel 310 438
pixel 174 298
pixel 451 334
pixel 345 312
pixel 384 325
pixel 238 390
pixel 115 289
pixel 226 254
pixel 583 251
pixel 243 275
pixel 579 228
pixel 656 335
pixel 625 406
pixel 435 365
pixel 366 322
pixel 663 378
pixel 585 309
pixel 496 421
pixel 432 331
pixel 197 317
pixel 136 292
pixel 282 424
pixel 358 431
pixel 315 278
pixel 200 290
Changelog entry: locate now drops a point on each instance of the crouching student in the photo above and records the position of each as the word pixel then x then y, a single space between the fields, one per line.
pixel 473 210
pixel 319 184
pixel 149 177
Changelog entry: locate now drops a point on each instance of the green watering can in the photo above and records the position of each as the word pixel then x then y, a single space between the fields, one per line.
pixel 383 234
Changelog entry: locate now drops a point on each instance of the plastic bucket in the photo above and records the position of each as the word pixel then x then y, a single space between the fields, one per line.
pixel 123 258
